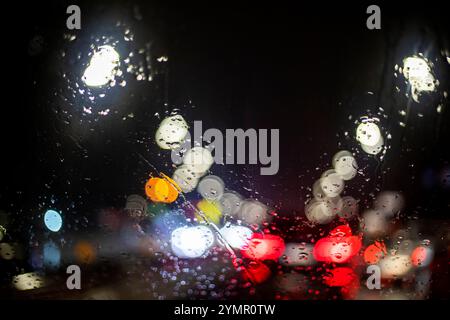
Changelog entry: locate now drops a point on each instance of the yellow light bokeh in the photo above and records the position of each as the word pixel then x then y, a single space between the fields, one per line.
pixel 211 210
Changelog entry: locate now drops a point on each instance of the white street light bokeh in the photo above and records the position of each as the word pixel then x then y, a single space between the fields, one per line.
pixel 230 203
pixel 331 183
pixel 28 281
pixel 211 188
pixel 198 159
pixel 369 135
pixel 185 178
pixel 191 242
pixel 236 236
pixel 102 68
pixel 171 132
pixel 394 266
pixel 345 165
pixel 253 212
pixel 418 71
pixel 319 211
pixel 373 150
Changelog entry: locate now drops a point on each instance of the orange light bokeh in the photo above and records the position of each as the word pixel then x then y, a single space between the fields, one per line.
pixel 84 252
pixel 163 190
